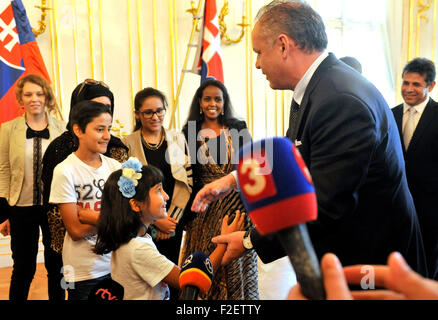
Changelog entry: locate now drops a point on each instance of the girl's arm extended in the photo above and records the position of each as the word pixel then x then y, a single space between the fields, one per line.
pixel 216 256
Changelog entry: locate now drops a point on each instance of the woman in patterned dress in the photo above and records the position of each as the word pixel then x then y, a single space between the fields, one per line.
pixel 214 136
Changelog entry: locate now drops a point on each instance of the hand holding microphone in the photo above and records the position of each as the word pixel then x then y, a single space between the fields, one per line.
pixel 335 282
pixel 196 276
pixel 197 270
pixel 278 193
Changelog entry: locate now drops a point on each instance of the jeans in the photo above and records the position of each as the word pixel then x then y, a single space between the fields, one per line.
pixel 82 289
pixel 25 225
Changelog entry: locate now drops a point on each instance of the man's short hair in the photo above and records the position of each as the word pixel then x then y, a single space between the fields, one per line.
pixel 296 19
pixel 352 62
pixel 424 67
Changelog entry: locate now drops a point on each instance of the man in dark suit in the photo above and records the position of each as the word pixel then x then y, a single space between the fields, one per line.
pixel 417 122
pixel 348 139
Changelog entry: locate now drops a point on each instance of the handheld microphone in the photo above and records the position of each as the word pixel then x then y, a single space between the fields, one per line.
pixel 277 190
pixel 196 276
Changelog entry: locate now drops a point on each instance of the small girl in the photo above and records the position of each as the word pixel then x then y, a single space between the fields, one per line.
pixel 133 198
pixel 77 189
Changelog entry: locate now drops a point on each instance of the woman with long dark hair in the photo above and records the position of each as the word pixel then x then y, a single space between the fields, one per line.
pixel 214 136
pixel 168 151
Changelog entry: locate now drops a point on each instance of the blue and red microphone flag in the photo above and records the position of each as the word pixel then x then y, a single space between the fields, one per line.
pixel 276 186
pixel 208 57
pixel 19 55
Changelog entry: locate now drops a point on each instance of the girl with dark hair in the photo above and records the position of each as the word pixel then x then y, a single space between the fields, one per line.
pixel 77 190
pixel 168 151
pixel 214 137
pixel 65 144
pixel 23 142
pixel 133 198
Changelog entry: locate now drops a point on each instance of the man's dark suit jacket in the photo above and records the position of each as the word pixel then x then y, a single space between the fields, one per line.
pixel 350 144
pixel 422 173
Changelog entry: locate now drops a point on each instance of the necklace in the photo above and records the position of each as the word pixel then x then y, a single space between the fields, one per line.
pixel 154 146
pixel 207 157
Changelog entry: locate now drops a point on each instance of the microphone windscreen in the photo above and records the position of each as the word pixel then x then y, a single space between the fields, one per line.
pixel 197 270
pixel 275 185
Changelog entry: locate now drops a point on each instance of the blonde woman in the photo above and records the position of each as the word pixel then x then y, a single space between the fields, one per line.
pixel 23 142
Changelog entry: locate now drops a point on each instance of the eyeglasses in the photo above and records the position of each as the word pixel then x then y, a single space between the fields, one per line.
pixel 91 82
pixel 148 114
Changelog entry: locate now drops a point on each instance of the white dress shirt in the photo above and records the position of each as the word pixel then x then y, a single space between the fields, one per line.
pixel 300 89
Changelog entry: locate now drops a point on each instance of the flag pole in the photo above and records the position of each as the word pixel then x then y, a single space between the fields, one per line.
pixel 175 105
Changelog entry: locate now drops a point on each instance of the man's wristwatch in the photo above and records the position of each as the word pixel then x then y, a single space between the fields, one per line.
pixel 247 240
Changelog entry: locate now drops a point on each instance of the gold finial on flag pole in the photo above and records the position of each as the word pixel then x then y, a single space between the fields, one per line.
pixel 222 25
pixel 42 22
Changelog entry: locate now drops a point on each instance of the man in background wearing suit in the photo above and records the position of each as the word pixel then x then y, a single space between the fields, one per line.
pixel 348 139
pixel 417 121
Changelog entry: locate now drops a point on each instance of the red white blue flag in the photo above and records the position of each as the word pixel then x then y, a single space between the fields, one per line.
pixel 209 64
pixel 19 55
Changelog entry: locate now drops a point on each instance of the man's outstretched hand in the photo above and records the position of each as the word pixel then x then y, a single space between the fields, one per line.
pixel 213 191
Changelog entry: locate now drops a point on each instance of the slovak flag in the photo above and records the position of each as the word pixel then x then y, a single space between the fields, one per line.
pixel 19 55
pixel 210 60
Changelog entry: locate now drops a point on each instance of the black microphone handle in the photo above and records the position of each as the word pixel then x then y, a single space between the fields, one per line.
pixel 296 242
pixel 190 293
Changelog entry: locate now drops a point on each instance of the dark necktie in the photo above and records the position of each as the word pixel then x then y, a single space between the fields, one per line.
pixel 293 117
pixel 37 160
pixel 44 134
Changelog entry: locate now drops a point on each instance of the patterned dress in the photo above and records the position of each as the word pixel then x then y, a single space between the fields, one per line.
pixel 238 280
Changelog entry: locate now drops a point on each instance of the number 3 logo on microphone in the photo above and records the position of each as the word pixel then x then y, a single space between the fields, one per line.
pixel 253 183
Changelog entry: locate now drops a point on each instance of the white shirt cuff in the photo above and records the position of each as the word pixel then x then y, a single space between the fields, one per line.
pixel 234 173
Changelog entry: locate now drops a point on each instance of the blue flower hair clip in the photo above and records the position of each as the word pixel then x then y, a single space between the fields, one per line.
pixel 129 179
pixel 132 163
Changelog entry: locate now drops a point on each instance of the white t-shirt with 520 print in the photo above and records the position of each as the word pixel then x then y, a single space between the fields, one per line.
pixel 76 182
